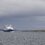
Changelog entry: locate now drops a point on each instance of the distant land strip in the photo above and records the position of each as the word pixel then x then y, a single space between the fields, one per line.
pixel 33 31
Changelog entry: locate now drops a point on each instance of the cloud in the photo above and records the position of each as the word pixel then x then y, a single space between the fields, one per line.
pixel 16 6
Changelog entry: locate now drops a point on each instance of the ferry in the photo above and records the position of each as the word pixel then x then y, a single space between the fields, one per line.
pixel 8 28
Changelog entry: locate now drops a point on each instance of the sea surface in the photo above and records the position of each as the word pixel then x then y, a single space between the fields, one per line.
pixel 22 38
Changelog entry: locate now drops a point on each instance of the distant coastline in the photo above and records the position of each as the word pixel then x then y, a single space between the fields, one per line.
pixel 33 31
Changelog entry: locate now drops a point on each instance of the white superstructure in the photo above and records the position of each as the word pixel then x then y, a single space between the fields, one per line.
pixel 7 27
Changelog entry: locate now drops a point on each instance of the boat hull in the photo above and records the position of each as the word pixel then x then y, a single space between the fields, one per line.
pixel 9 30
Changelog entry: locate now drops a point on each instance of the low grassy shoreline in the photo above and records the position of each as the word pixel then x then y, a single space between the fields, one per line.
pixel 33 31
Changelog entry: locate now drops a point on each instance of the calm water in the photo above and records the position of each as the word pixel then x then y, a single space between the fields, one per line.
pixel 22 38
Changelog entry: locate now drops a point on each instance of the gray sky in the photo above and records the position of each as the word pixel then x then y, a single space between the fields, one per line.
pixel 24 14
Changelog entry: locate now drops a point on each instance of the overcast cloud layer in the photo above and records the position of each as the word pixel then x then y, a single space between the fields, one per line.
pixel 15 6
pixel 24 14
